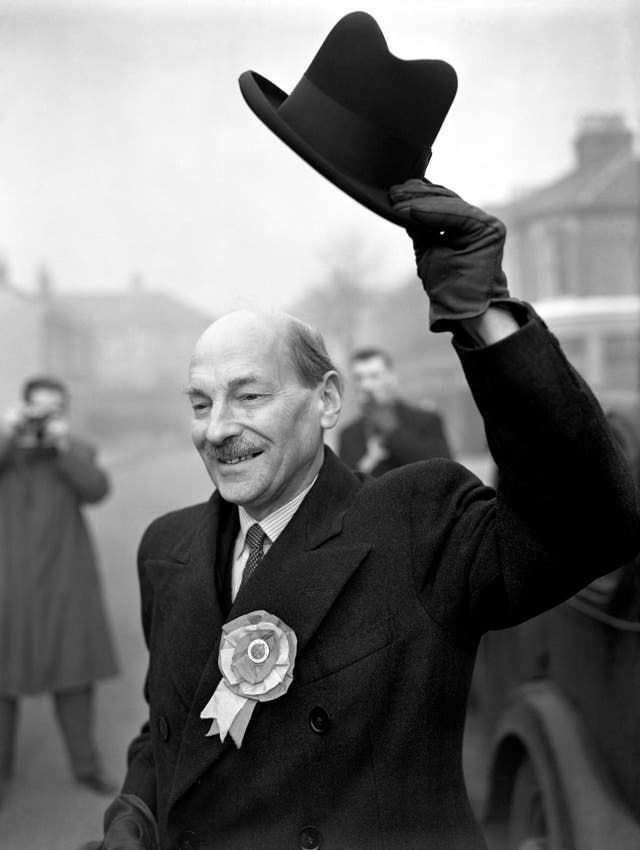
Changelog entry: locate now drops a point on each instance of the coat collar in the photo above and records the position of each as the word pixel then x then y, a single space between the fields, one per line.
pixel 298 580
pixel 324 506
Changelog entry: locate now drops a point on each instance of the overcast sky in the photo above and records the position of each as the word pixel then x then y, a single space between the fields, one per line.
pixel 126 147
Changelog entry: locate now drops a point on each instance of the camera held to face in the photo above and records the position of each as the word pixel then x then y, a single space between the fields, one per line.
pixel 33 426
pixel 39 421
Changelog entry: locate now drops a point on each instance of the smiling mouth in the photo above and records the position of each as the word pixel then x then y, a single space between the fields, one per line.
pixel 231 461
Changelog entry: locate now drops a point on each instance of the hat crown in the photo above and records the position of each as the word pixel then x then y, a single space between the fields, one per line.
pixel 407 98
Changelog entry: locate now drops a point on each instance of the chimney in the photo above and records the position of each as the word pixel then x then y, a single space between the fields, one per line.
pixel 601 138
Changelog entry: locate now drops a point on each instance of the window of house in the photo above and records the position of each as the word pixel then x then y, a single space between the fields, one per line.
pixel 554 242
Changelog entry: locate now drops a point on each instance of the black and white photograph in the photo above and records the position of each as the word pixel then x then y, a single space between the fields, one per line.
pixel 319 425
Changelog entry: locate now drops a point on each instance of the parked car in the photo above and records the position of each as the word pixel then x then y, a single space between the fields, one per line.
pixel 558 700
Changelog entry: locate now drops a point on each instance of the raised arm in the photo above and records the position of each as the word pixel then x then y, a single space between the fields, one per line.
pixel 566 508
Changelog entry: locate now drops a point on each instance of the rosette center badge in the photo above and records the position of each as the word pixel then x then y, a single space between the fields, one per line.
pixel 258 651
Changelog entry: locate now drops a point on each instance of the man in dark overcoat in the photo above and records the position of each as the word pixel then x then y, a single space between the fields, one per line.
pixel 311 631
pixel 388 432
pixel 54 635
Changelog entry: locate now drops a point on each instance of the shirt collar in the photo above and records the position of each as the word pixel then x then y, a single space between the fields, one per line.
pixel 275 523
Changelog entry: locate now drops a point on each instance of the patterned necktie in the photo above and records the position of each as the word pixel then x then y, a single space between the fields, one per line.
pixel 255 540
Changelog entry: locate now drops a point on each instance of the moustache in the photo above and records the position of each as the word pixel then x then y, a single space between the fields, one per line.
pixel 232 448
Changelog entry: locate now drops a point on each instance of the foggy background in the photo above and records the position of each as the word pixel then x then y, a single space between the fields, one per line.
pixel 126 147
pixel 140 198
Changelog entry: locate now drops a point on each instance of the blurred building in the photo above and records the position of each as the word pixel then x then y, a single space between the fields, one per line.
pixel 579 236
pixel 125 355
pixel 21 339
pixel 573 249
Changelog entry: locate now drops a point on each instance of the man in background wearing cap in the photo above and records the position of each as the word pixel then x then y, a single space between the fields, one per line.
pixel 389 432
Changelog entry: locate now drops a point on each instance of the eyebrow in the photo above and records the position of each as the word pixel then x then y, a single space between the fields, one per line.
pixel 235 384
pixel 238 383
pixel 191 390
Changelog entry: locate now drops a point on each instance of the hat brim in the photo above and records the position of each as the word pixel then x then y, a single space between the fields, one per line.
pixel 264 99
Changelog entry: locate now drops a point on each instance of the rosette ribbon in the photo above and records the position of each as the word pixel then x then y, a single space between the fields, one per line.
pixel 256 658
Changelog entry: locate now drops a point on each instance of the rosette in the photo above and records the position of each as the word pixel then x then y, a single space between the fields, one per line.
pixel 256 658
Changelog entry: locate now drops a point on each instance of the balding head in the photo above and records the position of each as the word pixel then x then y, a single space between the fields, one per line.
pixel 245 323
pixel 303 345
pixel 262 401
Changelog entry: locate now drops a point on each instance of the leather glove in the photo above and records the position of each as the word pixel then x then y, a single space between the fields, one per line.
pixel 458 251
pixel 128 825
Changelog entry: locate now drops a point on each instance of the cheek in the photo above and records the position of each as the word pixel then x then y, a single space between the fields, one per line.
pixel 198 432
pixel 303 432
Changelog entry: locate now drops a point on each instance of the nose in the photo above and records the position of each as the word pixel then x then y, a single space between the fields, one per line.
pixel 221 424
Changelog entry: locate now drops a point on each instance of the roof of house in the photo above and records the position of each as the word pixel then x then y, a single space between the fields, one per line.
pixel 611 184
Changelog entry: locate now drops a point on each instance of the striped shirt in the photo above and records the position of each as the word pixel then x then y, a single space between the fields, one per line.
pixel 272 525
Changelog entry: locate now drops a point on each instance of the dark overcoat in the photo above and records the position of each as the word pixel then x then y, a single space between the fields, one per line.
pixel 53 627
pixel 389 584
pixel 419 436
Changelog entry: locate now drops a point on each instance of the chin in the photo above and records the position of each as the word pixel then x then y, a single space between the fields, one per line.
pixel 235 494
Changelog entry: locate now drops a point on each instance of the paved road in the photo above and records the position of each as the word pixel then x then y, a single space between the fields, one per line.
pixel 45 809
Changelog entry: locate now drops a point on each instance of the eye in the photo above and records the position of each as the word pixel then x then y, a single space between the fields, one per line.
pixel 250 397
pixel 200 407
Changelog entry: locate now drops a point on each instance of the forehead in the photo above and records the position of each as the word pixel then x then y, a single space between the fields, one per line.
pixel 370 365
pixel 231 353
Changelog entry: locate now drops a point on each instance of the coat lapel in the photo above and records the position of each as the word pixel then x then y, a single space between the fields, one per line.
pixel 298 580
pixel 189 600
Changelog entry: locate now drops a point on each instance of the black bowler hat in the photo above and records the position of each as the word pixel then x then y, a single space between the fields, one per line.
pixel 360 116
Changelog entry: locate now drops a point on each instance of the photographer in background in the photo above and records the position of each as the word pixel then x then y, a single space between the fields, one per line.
pixel 53 630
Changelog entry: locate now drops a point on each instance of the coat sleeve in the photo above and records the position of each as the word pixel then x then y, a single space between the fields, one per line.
pixel 566 508
pixel 78 467
pixel 141 775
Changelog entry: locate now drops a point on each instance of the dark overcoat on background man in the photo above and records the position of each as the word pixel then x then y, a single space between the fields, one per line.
pixel 388 584
pixel 419 436
pixel 54 634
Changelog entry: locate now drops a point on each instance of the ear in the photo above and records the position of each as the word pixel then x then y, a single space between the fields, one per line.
pixel 330 399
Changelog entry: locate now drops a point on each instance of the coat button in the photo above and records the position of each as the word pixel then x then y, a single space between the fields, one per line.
pixel 319 720
pixel 163 728
pixel 310 838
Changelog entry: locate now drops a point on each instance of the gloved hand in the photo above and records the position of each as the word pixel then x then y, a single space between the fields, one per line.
pixel 128 825
pixel 458 251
